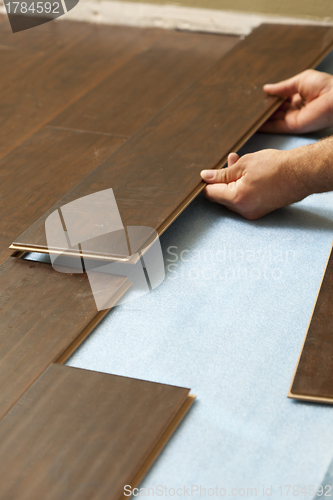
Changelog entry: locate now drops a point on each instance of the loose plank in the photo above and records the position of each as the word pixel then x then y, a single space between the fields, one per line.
pixel 313 378
pixel 78 434
pixel 41 170
pixel 156 173
pixel 42 313
pixel 132 95
pixel 52 80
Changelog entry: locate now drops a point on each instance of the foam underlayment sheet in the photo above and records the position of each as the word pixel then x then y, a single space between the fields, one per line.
pixel 229 321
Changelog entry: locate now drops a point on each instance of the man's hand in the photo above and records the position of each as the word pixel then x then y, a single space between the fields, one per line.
pixel 259 183
pixel 309 104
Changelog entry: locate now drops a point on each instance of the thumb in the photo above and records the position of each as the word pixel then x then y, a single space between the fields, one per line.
pixel 232 159
pixel 286 88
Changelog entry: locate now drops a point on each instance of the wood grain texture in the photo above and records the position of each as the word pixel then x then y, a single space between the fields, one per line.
pixel 45 37
pixel 42 313
pixel 174 62
pixel 82 435
pixel 159 167
pixel 131 96
pixel 49 80
pixel 35 175
pixel 313 378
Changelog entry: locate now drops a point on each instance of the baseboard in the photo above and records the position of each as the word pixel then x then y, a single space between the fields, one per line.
pixel 174 17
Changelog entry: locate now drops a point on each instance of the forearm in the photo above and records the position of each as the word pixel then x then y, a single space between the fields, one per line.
pixel 313 166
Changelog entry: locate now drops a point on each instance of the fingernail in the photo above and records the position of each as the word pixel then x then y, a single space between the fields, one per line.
pixel 208 175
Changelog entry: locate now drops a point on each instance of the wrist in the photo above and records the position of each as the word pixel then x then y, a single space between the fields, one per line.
pixel 296 174
pixel 312 167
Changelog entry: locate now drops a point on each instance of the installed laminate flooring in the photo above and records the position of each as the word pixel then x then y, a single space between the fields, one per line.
pixel 48 71
pixel 42 313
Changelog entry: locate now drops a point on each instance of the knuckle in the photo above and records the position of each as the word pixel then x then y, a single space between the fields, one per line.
pixel 309 73
pixel 242 162
pixel 221 175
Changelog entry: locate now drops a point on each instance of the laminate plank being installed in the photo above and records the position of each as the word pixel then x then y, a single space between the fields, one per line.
pixel 42 313
pixel 164 70
pixel 100 433
pixel 131 96
pixel 35 175
pixel 52 80
pixel 313 378
pixel 155 174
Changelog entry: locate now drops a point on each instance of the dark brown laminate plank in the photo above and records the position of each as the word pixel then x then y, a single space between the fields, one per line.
pixel 156 173
pixel 42 313
pixel 313 378
pixel 131 96
pixel 83 435
pixel 35 175
pixel 52 79
pixel 41 170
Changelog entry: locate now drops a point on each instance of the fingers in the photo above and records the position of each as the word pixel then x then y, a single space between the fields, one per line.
pixel 286 88
pixel 314 116
pixel 278 115
pixel 225 175
pixel 221 193
pixel 276 126
pixel 294 103
pixel 221 184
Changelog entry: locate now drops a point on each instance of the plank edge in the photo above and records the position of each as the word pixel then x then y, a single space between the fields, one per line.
pixel 290 393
